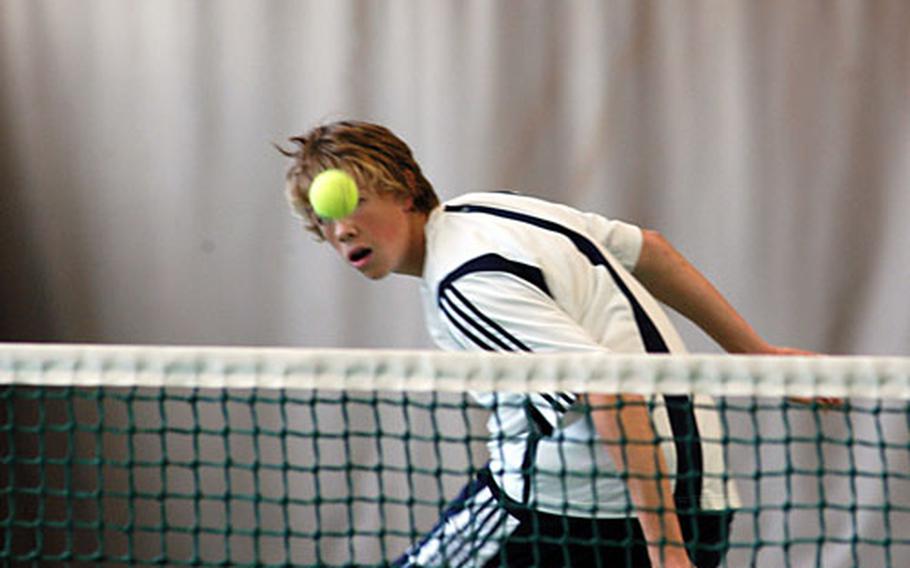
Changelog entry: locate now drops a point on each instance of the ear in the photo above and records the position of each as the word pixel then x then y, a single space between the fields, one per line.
pixel 411 180
pixel 407 203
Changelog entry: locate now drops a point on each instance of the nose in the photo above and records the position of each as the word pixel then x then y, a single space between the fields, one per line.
pixel 343 230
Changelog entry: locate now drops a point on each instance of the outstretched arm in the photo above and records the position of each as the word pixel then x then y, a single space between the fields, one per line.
pixel 673 280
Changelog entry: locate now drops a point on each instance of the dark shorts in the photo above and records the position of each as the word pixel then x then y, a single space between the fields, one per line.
pixel 484 527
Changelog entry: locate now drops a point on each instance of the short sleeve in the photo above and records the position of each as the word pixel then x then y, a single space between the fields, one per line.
pixel 622 240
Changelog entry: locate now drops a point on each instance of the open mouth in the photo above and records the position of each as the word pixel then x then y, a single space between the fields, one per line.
pixel 359 254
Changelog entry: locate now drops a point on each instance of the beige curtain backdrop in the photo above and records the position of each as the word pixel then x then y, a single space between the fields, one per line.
pixel 770 141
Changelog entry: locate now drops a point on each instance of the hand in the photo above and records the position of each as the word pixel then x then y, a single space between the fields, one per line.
pixel 785 351
pixel 824 401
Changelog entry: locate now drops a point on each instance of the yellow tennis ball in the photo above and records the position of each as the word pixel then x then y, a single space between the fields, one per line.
pixel 333 194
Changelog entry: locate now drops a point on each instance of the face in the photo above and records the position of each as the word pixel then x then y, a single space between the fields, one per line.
pixel 382 236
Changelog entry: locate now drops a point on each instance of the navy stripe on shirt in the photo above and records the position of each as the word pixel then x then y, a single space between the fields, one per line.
pixel 451 310
pixel 496 263
pixel 464 330
pixel 485 326
pixel 495 337
pixel 681 413
pixel 516 343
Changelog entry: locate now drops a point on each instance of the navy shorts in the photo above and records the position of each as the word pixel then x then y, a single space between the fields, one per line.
pixel 483 527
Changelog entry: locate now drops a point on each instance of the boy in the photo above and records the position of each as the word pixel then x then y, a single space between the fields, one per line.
pixel 505 272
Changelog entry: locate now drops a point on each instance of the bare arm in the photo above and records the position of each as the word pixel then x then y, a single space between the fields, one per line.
pixel 626 429
pixel 674 281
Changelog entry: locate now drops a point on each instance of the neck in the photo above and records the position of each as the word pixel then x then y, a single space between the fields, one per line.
pixel 413 265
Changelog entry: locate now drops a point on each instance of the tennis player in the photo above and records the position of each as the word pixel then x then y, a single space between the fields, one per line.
pixel 612 480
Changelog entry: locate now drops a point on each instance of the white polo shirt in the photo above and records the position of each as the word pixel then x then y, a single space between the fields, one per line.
pixel 506 272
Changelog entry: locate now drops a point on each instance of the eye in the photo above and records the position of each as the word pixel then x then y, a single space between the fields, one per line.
pixel 324 228
pixel 319 221
pixel 324 224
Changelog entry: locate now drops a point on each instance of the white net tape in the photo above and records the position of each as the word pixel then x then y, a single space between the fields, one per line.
pixel 421 371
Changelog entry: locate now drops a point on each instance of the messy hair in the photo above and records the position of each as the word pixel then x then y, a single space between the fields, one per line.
pixel 370 153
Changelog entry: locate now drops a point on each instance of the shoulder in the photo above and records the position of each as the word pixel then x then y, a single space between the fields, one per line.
pixel 463 231
pixel 525 230
pixel 549 223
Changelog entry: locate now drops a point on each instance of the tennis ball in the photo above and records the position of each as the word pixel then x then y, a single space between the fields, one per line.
pixel 333 194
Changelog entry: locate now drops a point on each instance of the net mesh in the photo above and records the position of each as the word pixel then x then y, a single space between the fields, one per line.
pixel 274 457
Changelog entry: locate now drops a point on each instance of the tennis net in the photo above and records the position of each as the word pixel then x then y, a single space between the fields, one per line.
pixel 207 456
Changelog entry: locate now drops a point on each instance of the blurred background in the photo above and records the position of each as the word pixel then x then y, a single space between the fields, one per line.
pixel 141 197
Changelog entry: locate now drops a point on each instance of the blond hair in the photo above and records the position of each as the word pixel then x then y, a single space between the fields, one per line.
pixel 370 153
